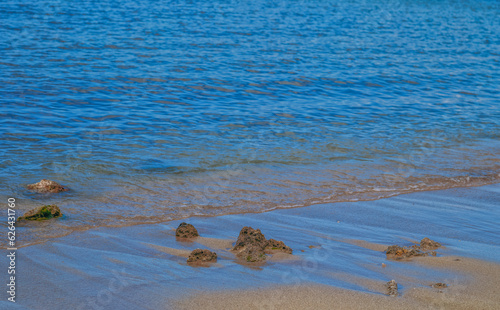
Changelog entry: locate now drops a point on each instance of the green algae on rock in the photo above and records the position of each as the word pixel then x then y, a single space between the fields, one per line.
pixel 41 213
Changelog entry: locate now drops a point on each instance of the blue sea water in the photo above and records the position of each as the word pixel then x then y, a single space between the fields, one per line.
pixel 158 110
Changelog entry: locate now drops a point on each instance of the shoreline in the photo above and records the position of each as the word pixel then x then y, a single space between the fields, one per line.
pixel 68 230
pixel 336 247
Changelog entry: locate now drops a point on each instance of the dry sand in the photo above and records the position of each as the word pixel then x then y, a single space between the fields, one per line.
pixel 337 261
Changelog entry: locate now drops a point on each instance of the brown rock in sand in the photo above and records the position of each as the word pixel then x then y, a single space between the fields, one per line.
pixel 428 244
pixel 202 256
pixel 401 252
pixel 398 252
pixel 439 285
pixel 252 245
pixel 42 213
pixel 392 288
pixel 186 230
pixel 47 186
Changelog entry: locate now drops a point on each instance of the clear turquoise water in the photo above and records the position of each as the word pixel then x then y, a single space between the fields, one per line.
pixel 156 110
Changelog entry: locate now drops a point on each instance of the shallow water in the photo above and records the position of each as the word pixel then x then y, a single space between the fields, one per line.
pixel 339 245
pixel 154 110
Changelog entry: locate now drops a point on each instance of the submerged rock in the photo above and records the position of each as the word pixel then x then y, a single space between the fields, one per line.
pixel 400 252
pixel 42 213
pixel 202 256
pixel 186 230
pixel 47 186
pixel 392 288
pixel 252 246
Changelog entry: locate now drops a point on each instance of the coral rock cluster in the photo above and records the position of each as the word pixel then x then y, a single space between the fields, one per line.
pixel 252 246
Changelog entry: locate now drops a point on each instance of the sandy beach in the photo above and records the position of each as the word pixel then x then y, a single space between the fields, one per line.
pixel 337 261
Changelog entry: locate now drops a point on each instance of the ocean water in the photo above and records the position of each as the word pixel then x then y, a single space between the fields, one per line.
pixel 158 110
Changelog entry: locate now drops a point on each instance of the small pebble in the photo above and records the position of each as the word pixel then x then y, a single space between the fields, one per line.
pixel 392 288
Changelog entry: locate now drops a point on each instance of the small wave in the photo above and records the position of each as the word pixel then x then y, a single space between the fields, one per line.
pixel 149 203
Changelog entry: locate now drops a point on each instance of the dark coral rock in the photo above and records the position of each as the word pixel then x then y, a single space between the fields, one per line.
pixel 250 237
pixel 202 256
pixel 186 230
pixel 252 245
pixel 275 245
pixel 47 186
pixel 428 244
pixel 42 213
pixel 392 288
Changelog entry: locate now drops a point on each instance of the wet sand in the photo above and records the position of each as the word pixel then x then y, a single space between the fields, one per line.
pixel 475 287
pixel 336 264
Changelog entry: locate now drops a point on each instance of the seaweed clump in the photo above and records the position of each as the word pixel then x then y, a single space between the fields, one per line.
pixel 42 213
